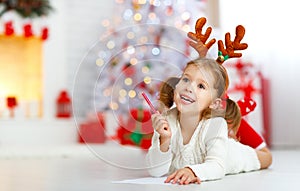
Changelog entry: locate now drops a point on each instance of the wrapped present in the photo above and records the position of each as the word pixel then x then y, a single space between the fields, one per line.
pixel 249 89
pixel 137 130
pixel 93 130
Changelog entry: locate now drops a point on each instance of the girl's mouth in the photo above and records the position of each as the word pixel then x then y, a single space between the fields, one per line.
pixel 186 99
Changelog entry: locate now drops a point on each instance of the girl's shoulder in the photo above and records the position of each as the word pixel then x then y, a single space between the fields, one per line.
pixel 216 120
pixel 216 124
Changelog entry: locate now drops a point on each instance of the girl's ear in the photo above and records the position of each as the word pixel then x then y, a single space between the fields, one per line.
pixel 216 104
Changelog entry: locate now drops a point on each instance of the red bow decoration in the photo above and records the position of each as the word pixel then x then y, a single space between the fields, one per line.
pixel 45 33
pixel 9 29
pixel 27 30
pixel 246 105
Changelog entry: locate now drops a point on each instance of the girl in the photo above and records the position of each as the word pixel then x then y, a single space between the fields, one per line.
pixel 190 141
pixel 243 132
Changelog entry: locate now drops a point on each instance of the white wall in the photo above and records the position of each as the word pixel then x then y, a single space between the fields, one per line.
pixel 74 27
pixel 272 32
pixel 54 59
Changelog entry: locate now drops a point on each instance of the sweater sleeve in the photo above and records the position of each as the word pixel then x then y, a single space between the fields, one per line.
pixel 215 143
pixel 158 162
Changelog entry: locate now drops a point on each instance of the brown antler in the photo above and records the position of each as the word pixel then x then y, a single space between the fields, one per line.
pixel 231 46
pixel 200 39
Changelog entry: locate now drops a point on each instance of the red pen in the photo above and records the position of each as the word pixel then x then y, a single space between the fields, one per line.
pixel 151 105
pixel 149 102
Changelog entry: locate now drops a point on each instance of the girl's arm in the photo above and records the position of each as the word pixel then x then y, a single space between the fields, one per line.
pixel 158 162
pixel 215 141
pixel 159 156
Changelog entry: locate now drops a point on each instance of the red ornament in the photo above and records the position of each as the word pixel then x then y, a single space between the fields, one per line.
pixel 63 105
pixel 11 103
pixel 45 33
pixel 128 70
pixel 27 30
pixel 8 28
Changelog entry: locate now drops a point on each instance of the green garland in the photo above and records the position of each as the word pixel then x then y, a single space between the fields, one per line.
pixel 26 8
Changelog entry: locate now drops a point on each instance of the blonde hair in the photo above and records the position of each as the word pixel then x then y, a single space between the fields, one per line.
pixel 232 112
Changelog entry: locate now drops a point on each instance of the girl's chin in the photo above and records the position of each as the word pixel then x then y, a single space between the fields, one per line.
pixel 184 110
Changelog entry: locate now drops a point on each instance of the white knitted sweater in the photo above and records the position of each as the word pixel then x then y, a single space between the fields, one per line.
pixel 209 153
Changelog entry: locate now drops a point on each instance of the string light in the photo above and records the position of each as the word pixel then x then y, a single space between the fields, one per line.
pixel 107 92
pixel 99 62
pixel 128 81
pixel 132 94
pixel 123 93
pixel 145 69
pixel 133 61
pixel 152 15
pixel 142 2
pixel 127 14
pixel 185 16
pixel 130 35
pixel 110 44
pixel 147 80
pixel 130 50
pixel 143 39
pixel 186 28
pixel 155 51
pixel 156 3
pixel 138 17
pixel 113 105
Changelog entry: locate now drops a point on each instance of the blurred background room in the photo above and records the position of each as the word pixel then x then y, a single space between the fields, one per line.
pixel 71 74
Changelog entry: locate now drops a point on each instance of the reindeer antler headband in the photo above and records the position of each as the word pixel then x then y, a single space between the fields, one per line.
pixel 202 47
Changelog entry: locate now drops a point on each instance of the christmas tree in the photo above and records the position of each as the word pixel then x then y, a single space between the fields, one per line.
pixel 145 43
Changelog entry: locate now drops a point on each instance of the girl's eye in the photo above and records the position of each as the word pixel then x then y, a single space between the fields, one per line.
pixel 185 79
pixel 201 86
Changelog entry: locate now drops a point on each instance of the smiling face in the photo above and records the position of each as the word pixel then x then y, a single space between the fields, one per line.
pixel 195 91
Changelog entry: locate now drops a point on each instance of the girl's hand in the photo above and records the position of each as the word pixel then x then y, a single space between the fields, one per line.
pixel 183 176
pixel 161 125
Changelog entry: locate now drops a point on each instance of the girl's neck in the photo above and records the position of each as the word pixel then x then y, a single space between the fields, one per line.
pixel 189 122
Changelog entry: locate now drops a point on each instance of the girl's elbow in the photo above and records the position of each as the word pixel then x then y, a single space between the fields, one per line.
pixel 265 157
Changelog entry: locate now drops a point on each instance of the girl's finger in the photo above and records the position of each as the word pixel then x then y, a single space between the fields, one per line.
pixel 198 181
pixel 177 177
pixel 170 177
pixel 183 179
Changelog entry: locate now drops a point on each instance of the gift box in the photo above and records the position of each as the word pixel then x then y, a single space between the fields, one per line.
pixel 92 131
pixel 248 83
pixel 137 130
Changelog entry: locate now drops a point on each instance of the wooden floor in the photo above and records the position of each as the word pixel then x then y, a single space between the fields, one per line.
pixel 94 168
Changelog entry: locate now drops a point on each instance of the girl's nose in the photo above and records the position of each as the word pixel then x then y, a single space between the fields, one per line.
pixel 189 88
